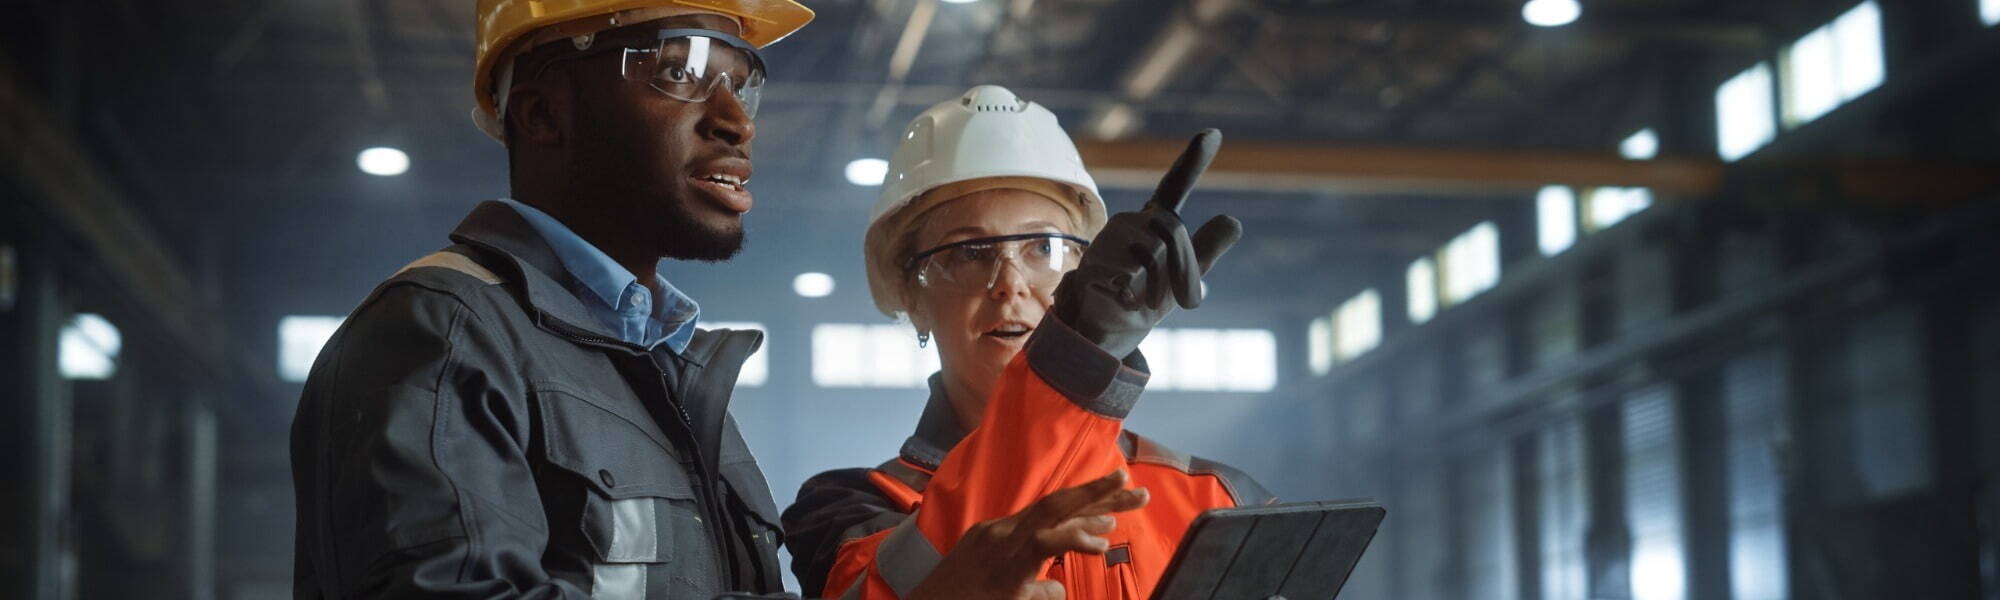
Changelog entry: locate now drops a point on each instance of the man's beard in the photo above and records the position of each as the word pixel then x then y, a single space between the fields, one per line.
pixel 684 238
pixel 672 229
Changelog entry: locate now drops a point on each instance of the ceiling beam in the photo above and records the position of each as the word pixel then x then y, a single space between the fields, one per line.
pixel 1272 166
pixel 1290 167
pixel 1598 21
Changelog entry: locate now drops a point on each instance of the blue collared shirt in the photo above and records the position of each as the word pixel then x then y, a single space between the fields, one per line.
pixel 613 294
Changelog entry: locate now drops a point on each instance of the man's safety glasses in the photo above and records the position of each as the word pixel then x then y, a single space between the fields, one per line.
pixel 973 266
pixel 688 65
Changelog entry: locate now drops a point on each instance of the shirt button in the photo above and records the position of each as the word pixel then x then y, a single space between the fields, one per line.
pixel 605 476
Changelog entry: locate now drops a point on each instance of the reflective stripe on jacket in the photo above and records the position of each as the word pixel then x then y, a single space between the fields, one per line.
pixel 1055 421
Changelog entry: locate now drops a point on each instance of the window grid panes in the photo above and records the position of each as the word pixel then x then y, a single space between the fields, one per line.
pixel 1641 145
pixel 1555 218
pixel 1833 65
pixel 1489 554
pixel 1752 391
pixel 1744 113
pixel 1471 263
pixel 1319 345
pixel 1564 510
pixel 87 348
pixel 847 355
pixel 1606 206
pixel 1421 279
pixel 1357 325
pixel 1211 360
pixel 1653 495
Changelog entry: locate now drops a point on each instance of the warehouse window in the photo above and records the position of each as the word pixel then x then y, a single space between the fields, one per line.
pixel 757 369
pixel 1486 496
pixel 1555 217
pixel 1653 496
pixel 1989 11
pixel 1319 345
pixel 1833 65
pixel 1641 145
pixel 1753 389
pixel 1212 360
pixel 846 355
pixel 1357 325
pixel 1743 113
pixel 1421 279
pixel 1606 206
pixel 88 348
pixel 1564 511
pixel 300 338
pixel 1471 263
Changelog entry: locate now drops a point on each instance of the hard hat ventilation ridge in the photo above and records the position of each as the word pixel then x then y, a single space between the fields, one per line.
pixel 989 98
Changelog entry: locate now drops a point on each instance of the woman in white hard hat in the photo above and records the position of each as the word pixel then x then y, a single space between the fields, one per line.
pixel 986 209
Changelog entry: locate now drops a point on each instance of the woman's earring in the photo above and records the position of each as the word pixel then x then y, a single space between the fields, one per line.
pixel 923 339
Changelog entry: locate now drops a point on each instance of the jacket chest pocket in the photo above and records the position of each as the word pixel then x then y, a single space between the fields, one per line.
pixel 639 511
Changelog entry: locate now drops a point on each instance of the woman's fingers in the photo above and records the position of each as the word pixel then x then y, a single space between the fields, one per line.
pixel 1120 501
pixel 1042 590
pixel 1065 503
pixel 1070 536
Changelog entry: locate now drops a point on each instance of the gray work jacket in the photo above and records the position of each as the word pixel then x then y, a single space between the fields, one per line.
pixel 471 431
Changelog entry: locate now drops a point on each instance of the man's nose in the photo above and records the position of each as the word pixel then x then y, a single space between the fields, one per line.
pixel 725 117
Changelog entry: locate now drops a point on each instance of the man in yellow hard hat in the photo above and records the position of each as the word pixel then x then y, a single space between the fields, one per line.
pixel 532 412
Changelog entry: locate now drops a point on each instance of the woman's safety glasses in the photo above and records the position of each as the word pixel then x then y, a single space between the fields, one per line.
pixel 688 65
pixel 973 266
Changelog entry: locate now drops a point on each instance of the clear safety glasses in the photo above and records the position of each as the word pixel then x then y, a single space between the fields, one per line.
pixel 688 65
pixel 973 266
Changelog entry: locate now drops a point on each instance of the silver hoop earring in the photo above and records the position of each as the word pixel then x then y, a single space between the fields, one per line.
pixel 923 339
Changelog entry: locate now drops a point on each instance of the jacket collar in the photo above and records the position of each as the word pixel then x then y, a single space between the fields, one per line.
pixel 938 430
pixel 494 227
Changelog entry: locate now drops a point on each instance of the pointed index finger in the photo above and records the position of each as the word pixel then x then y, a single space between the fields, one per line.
pixel 1187 169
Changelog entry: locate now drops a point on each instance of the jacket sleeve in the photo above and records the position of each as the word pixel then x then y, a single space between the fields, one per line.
pixel 1053 422
pixel 409 460
pixel 833 508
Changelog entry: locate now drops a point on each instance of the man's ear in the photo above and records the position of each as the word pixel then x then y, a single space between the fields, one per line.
pixel 533 112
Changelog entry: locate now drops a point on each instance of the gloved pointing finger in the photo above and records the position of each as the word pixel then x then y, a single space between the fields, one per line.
pixel 1173 190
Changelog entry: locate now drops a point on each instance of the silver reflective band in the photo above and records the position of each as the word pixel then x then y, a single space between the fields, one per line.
pixel 635 541
pixel 906 557
pixel 619 582
pixel 635 533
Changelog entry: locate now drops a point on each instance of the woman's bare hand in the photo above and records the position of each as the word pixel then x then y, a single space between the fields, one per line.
pixel 1000 559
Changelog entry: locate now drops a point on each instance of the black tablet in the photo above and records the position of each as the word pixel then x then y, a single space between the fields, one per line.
pixel 1300 551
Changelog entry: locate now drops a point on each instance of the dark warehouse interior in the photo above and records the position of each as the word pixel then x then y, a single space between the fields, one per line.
pixel 1665 300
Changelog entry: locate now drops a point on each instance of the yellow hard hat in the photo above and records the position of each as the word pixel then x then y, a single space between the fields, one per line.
pixel 504 22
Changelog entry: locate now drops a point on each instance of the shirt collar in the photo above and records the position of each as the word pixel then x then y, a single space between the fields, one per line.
pixel 673 313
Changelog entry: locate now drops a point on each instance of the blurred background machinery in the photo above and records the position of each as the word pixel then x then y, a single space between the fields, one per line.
pixel 1649 299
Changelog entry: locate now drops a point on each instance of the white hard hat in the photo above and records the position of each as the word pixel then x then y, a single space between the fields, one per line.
pixel 986 134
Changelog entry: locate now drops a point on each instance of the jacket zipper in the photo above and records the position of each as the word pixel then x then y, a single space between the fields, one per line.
pixel 725 555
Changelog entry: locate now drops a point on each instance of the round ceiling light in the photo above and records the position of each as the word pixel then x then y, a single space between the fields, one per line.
pixel 1551 13
pixel 867 171
pixel 383 161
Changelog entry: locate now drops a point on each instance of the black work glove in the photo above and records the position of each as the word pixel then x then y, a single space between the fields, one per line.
pixel 1122 286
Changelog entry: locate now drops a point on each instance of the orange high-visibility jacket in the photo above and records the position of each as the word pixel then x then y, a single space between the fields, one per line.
pixel 1055 420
